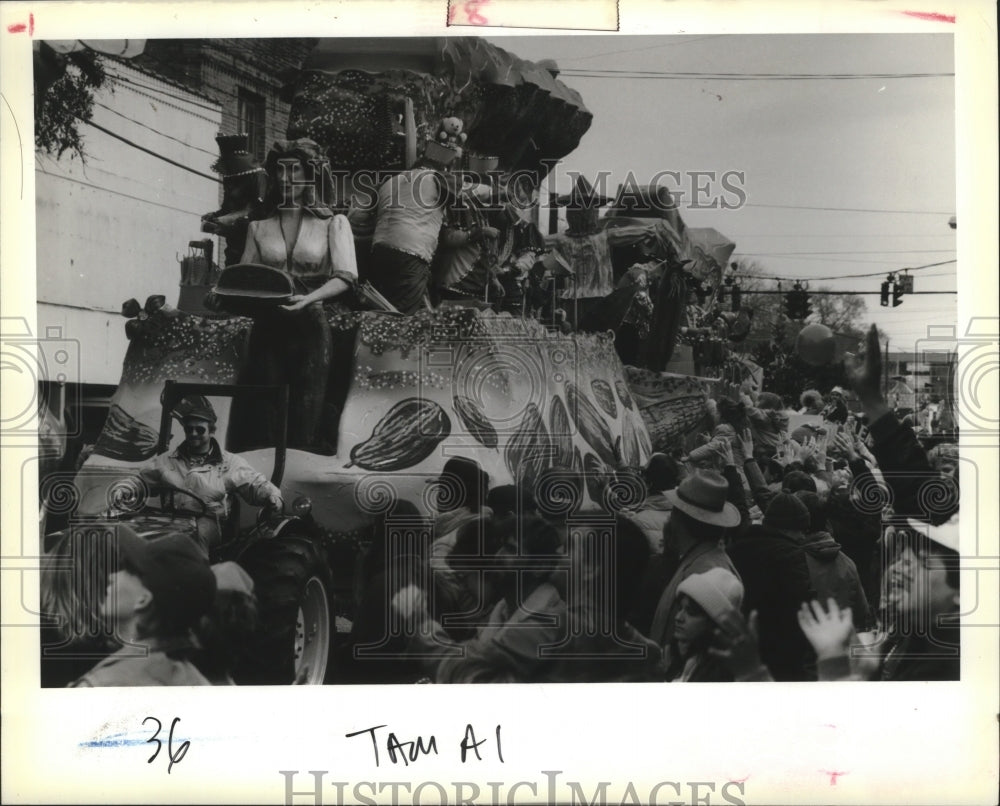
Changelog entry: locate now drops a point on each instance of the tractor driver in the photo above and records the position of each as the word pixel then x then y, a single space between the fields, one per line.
pixel 202 467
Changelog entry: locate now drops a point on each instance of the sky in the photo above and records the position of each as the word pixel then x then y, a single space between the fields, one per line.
pixel 882 144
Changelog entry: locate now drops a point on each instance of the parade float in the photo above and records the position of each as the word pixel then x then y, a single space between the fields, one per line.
pixel 522 396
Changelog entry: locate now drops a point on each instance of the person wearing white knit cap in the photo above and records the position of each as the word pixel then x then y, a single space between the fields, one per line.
pixel 702 648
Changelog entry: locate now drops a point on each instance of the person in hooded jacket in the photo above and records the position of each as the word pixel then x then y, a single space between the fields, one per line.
pixel 832 574
pixel 771 562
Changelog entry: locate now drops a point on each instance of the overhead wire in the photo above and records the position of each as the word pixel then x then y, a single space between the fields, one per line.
pixel 685 41
pixel 840 276
pixel 871 252
pixel 155 131
pixel 685 75
pixel 846 209
pixel 116 192
pixel 149 151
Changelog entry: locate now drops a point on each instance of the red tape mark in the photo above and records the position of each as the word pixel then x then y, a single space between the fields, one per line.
pixel 20 27
pixel 932 16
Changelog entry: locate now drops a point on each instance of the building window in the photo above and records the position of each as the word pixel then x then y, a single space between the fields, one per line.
pixel 250 119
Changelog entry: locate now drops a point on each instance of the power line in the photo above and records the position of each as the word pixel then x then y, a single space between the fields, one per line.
pixel 842 293
pixel 115 192
pixel 145 150
pixel 156 131
pixel 166 94
pixel 853 236
pixel 858 261
pixel 686 41
pixel 871 252
pixel 845 209
pixel 678 75
pixel 842 276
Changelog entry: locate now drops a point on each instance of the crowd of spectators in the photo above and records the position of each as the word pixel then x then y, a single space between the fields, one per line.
pixel 765 554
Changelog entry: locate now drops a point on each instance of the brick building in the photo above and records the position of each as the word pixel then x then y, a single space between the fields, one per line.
pixel 244 76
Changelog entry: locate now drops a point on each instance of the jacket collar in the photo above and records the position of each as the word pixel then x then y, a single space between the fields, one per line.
pixel 214 453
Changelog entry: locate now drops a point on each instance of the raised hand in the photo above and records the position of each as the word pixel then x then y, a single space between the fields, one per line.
pixel 791 452
pixel 745 438
pixel 820 447
pixel 845 443
pixel 726 452
pixel 829 631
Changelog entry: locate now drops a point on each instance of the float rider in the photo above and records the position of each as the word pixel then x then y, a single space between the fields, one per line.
pixel 200 466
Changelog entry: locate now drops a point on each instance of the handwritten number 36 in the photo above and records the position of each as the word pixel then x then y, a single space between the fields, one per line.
pixel 175 758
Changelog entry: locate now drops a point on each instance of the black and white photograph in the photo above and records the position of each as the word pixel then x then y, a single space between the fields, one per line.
pixel 378 359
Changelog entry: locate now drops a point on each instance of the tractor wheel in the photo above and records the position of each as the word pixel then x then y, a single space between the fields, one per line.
pixel 294 597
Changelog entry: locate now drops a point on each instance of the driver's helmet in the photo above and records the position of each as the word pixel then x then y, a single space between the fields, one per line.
pixel 195 406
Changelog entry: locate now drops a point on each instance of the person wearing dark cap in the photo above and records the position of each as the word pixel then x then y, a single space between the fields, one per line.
pixel 796 481
pixel 698 523
pixel 202 467
pixel 156 597
pixel 772 564
pixel 530 614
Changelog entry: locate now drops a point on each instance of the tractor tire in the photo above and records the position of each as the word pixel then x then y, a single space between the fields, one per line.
pixel 296 623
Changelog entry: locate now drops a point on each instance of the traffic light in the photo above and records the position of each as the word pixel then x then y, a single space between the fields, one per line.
pixel 797 303
pixel 790 306
pixel 885 294
pixel 804 307
pixel 897 295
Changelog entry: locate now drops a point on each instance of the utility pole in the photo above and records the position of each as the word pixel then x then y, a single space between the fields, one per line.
pixel 885 364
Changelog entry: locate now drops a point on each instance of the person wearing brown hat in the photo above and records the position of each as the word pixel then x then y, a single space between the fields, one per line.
pixel 161 589
pixel 772 564
pixel 202 467
pixel 700 518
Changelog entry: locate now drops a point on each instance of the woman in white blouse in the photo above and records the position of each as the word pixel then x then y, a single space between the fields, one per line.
pixel 305 238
